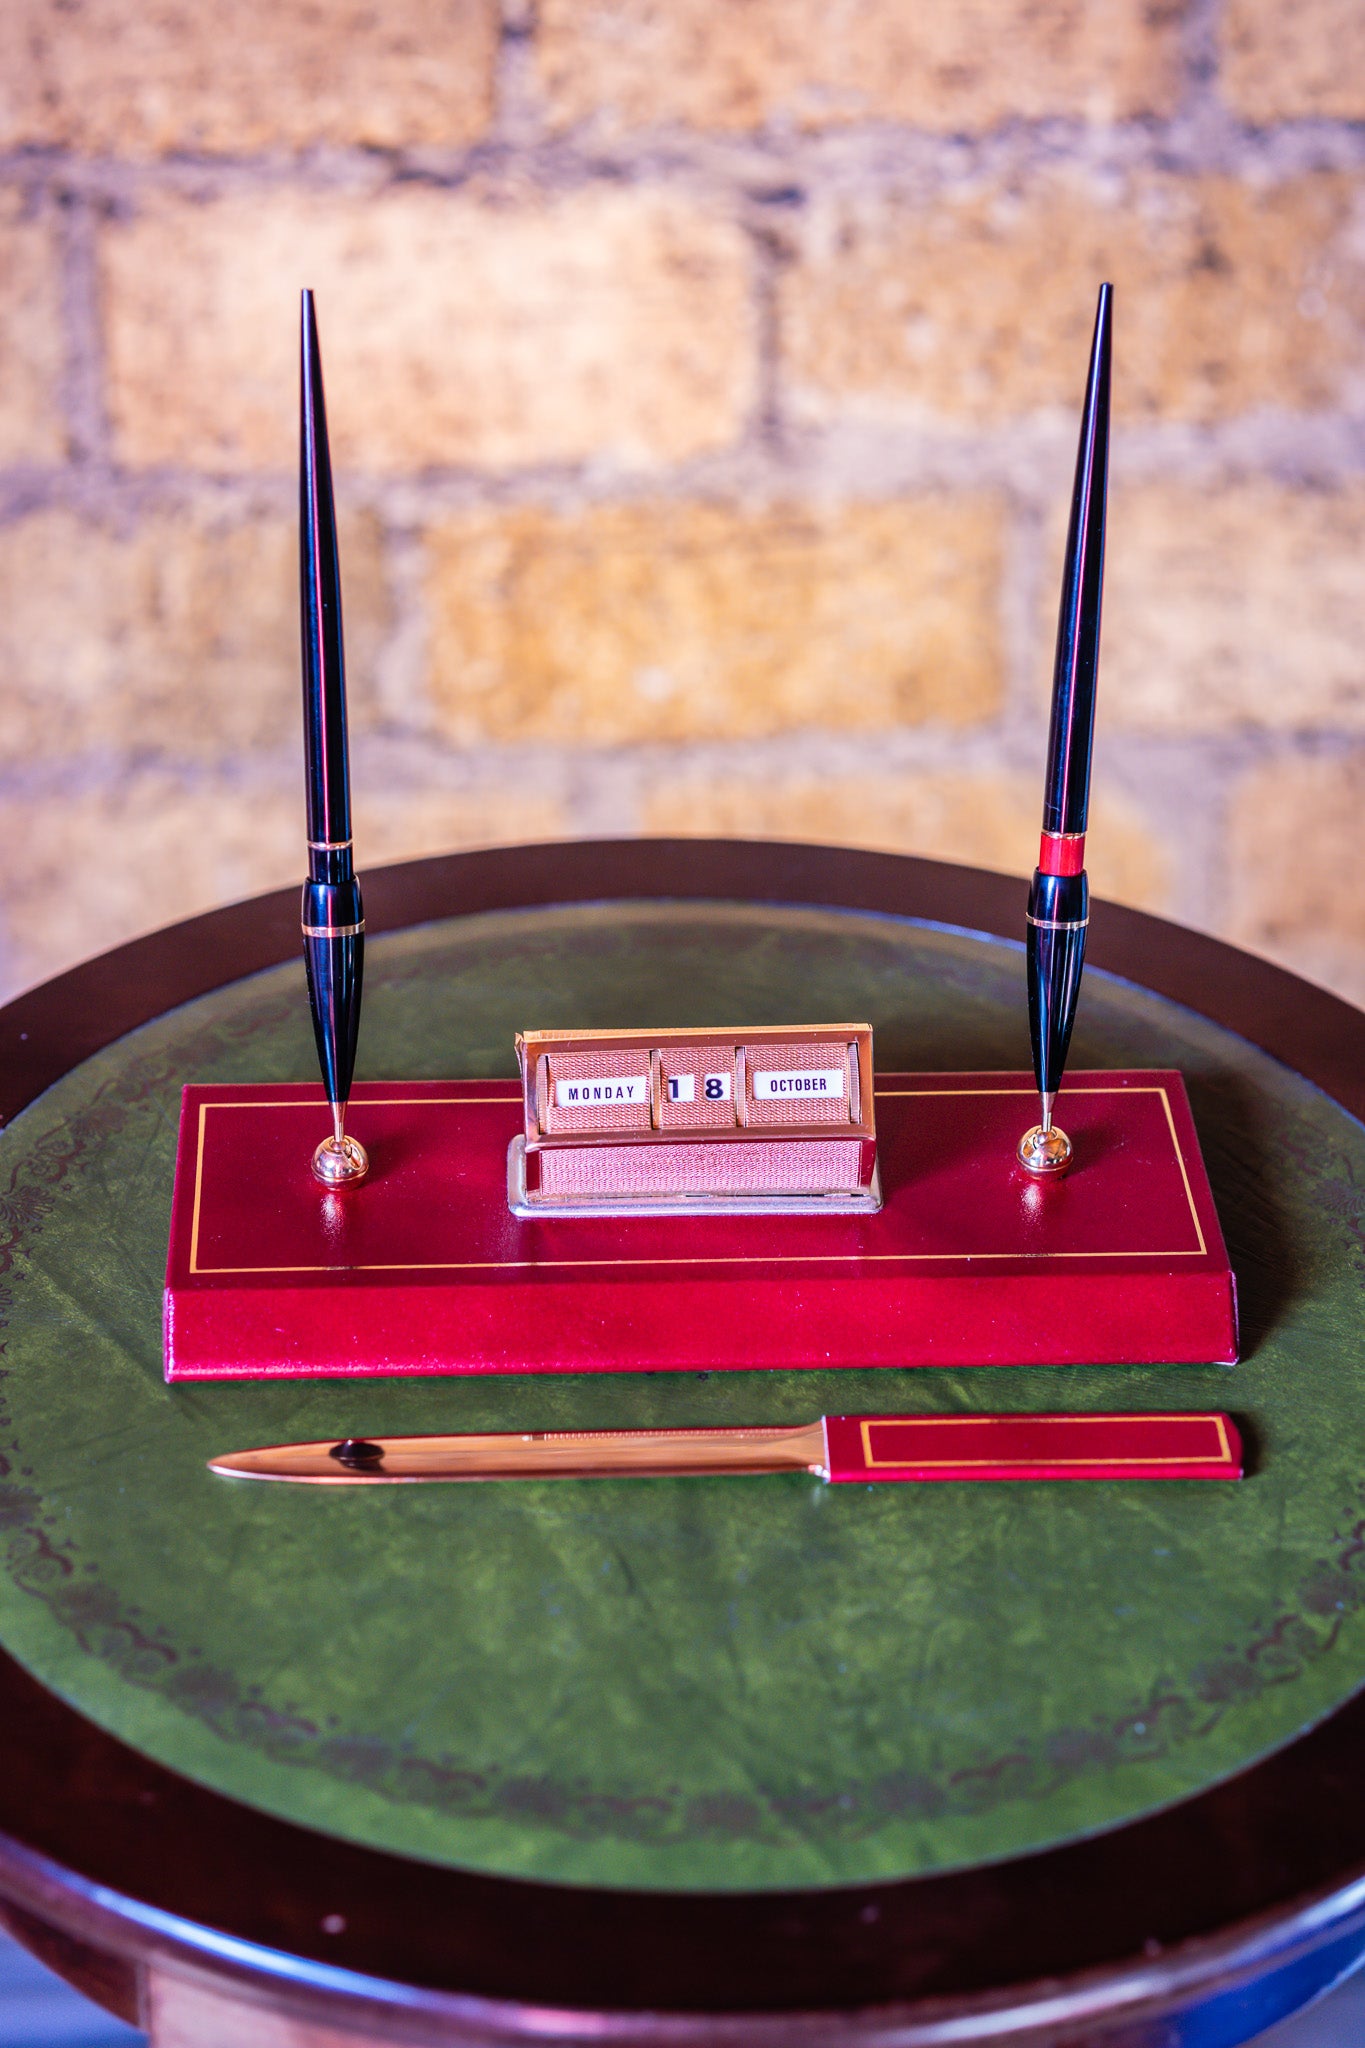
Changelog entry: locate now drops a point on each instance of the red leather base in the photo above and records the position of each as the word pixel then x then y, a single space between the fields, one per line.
pixel 422 1269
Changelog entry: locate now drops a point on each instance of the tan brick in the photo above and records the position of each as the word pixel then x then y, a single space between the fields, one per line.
pixel 660 622
pixel 983 819
pixel 407 824
pixel 32 348
pixel 145 858
pixel 125 78
pixel 628 64
pixel 602 323
pixel 178 637
pixel 1296 879
pixel 1283 62
pixel 1234 608
pixel 1228 297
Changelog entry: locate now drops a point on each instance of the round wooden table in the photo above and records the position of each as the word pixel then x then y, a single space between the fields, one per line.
pixel 211 1921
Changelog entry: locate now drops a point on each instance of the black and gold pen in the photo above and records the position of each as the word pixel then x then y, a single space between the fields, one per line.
pixel 333 918
pixel 1059 903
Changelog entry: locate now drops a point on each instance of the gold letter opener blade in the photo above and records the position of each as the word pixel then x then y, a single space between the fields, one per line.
pixel 836 1447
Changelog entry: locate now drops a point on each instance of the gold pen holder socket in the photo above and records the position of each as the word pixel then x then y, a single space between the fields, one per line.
pixel 340 1165
pixel 1046 1154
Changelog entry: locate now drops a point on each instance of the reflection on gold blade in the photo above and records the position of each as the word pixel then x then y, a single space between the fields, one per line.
pixel 585 1454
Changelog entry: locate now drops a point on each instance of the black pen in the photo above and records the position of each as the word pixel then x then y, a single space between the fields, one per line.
pixel 333 918
pixel 1059 902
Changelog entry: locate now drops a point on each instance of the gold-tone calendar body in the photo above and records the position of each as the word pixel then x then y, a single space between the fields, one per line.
pixel 741 1122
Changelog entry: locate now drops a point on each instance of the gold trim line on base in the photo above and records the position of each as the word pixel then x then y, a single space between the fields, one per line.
pixel 1056 924
pixel 1024 1088
pixel 329 845
pixel 332 931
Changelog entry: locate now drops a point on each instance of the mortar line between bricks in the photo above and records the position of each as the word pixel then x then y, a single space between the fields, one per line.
pixel 518 115
pixel 1201 40
pixel 810 749
pixel 1202 136
pixel 82 381
pixel 767 427
pixel 1028 456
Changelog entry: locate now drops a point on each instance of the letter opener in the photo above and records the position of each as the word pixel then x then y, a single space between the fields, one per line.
pixel 1059 907
pixel 333 916
pixel 864 1448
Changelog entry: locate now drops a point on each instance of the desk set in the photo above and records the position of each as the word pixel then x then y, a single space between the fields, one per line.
pixel 711 1198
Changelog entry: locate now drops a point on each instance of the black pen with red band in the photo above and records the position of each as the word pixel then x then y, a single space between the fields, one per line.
pixel 1059 903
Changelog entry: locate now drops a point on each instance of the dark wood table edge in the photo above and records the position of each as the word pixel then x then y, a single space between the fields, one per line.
pixel 1261 1867
pixel 103 1943
pixel 1307 1027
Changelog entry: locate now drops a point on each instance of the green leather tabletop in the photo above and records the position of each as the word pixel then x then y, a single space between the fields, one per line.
pixel 706 1683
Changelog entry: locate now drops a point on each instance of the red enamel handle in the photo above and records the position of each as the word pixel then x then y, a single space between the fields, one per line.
pixel 873 1447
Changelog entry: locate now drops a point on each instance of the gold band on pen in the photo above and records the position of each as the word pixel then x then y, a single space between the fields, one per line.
pixel 332 931
pixel 1057 924
pixel 329 845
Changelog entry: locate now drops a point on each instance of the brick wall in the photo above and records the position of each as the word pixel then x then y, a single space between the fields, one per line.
pixel 703 378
